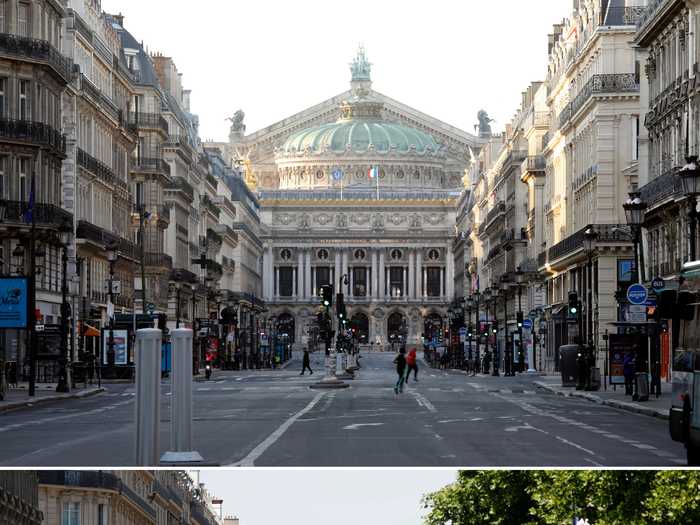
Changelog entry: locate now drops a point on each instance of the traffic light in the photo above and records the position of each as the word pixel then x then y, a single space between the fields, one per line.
pixel 327 295
pixel 340 307
pixel 469 331
pixel 519 316
pixel 573 303
pixel 494 327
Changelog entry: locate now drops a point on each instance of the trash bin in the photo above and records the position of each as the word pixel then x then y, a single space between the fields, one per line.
pixel 595 378
pixel 567 364
pixel 642 390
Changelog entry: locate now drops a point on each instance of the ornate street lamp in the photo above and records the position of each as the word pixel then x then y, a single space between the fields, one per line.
pixel 690 176
pixel 589 244
pixel 65 234
pixel 634 213
pixel 507 351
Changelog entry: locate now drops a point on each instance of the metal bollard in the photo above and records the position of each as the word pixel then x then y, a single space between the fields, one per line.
pixel 181 388
pixel 147 358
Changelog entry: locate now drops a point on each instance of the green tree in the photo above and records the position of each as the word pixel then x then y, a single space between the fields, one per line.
pixel 483 498
pixel 674 498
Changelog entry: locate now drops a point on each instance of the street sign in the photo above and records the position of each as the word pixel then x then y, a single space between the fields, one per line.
pixel 637 317
pixel 150 307
pixel 39 328
pixel 658 284
pixel 637 294
pixel 637 308
pixel 527 324
pixel 463 331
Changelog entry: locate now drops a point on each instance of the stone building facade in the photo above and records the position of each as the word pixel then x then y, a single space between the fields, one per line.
pixel 385 240
pixel 124 497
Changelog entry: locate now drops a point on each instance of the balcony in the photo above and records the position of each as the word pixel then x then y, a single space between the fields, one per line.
pixel 99 169
pixel 214 238
pixel 509 238
pixel 150 165
pixel 179 141
pixel 159 260
pixel 36 50
pixel 616 233
pixel 45 215
pixel 599 84
pixel 622 15
pixel 95 480
pixel 129 250
pixel 534 164
pixel 180 184
pixel 90 232
pixel 210 205
pixel 183 275
pixel 495 212
pixel 228 264
pixel 667 185
pixel 34 134
pixel 149 121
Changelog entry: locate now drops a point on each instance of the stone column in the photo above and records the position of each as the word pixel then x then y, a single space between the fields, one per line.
pixel 419 274
pixel 294 282
pixel 381 274
pixel 442 282
pixel 277 281
pixel 338 270
pixel 308 291
pixel 299 278
pixel 352 282
pixel 344 271
pixel 449 273
pixel 375 269
pixel 267 268
pixel 404 283
pixel 412 275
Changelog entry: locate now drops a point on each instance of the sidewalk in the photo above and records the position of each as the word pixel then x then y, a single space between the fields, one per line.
pixel 16 398
pixel 614 398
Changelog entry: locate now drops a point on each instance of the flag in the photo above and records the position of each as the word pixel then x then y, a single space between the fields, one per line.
pixel 29 212
pixel 338 174
pixel 373 172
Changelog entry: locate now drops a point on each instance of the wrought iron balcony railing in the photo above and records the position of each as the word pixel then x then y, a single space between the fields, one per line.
pixel 534 163
pixel 45 215
pixel 36 50
pixel 181 184
pixel 35 133
pixel 574 242
pixel 666 185
pixel 179 141
pixel 149 121
pixel 91 232
pixel 597 84
pixel 98 168
pixel 151 165
pixel 161 260
pixel 498 209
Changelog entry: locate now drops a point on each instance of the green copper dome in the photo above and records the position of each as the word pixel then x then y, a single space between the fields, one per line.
pixel 357 135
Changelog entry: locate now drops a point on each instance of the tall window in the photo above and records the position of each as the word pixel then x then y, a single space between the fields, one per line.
pixel 23 19
pixel 396 281
pixel 3 180
pixel 433 284
pixel 23 101
pixel 102 514
pixel 359 282
pixel 286 279
pixel 3 81
pixel 3 6
pixel 71 514
pixel 323 277
pixel 23 164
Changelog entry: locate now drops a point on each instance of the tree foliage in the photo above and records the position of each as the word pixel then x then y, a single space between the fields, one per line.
pixel 612 497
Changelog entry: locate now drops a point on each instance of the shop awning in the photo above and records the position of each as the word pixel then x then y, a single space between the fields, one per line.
pixel 88 331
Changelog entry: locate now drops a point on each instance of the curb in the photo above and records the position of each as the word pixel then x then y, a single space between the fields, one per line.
pixel 42 400
pixel 623 405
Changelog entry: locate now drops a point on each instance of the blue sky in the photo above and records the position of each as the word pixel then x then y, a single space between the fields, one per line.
pixel 321 497
pixel 448 59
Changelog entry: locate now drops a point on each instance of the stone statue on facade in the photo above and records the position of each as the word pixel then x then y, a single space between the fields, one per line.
pixel 416 221
pixel 378 221
pixel 484 123
pixel 237 126
pixel 341 220
pixel 304 221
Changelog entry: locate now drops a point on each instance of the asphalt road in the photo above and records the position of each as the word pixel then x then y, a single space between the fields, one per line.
pixel 273 418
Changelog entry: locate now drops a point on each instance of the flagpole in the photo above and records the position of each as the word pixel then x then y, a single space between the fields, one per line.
pixel 31 325
pixel 377 175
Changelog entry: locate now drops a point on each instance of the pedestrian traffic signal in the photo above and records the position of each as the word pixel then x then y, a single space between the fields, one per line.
pixel 494 327
pixel 327 295
pixel 573 303
pixel 520 319
pixel 340 306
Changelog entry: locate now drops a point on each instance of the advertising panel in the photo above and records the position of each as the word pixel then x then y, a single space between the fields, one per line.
pixel 121 346
pixel 13 302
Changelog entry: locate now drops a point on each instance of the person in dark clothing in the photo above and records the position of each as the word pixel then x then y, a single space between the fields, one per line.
pixel 400 370
pixel 306 362
pixel 628 370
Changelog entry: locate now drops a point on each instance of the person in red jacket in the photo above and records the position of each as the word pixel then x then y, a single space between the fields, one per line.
pixel 412 364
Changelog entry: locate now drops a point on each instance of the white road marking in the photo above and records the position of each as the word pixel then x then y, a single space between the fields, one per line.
pixel 572 444
pixel 358 425
pixel 249 460
pixel 422 401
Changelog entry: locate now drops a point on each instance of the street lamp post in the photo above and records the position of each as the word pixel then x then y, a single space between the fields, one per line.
pixel 519 277
pixel 589 245
pixel 507 350
pixel 634 213
pixel 486 294
pixel 65 232
pixel 690 176
pixel 112 257
pixel 476 295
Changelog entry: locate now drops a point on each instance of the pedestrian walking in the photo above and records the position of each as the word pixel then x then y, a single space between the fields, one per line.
pixel 306 362
pixel 412 364
pixel 400 362
pixel 629 367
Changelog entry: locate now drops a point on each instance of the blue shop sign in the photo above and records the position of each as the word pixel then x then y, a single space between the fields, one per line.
pixel 637 294
pixel 527 324
pixel 13 302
